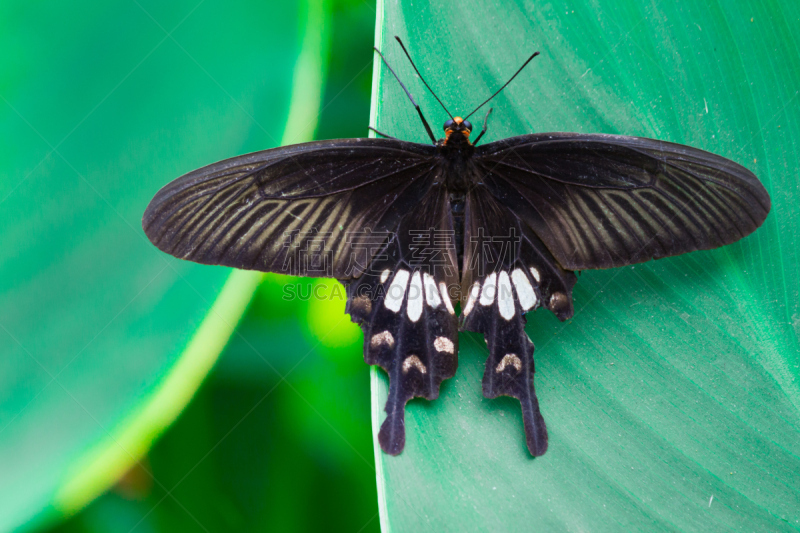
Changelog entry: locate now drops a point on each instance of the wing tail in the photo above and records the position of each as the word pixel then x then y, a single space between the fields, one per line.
pixel 509 372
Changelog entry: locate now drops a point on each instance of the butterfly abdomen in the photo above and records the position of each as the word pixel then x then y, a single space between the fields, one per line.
pixel 457 209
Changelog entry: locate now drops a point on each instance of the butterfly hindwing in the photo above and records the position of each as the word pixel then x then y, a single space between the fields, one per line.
pixel 600 201
pixel 507 272
pixel 402 303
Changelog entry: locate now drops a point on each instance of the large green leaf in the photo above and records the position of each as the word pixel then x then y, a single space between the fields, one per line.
pixel 672 397
pixel 104 338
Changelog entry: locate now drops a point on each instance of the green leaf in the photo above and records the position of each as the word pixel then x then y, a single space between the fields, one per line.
pixel 672 397
pixel 104 338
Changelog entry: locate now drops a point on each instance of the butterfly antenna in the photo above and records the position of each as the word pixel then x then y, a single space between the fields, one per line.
pixel 420 76
pixel 416 106
pixel 504 86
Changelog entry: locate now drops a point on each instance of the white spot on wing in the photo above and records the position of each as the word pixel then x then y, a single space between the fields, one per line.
pixel 510 359
pixel 384 337
pixel 525 292
pixel 505 298
pixel 396 291
pixel 414 305
pixel 431 292
pixel 412 361
pixel 385 275
pixel 473 295
pixel 446 298
pixel 443 344
pixel 489 289
pixel 535 274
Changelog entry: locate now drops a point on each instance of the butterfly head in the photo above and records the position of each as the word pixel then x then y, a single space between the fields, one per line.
pixel 457 130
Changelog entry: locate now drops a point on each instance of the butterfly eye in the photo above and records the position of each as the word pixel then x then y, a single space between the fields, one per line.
pixel 467 125
pixel 449 124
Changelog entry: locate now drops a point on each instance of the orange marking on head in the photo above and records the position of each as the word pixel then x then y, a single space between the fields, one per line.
pixel 458 120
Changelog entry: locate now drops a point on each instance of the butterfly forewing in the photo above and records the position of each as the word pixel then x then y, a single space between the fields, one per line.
pixel 600 201
pixel 402 302
pixel 269 210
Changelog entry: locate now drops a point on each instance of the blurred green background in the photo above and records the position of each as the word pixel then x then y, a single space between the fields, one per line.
pixel 105 339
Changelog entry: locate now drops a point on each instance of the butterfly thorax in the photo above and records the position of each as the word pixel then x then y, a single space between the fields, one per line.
pixel 456 154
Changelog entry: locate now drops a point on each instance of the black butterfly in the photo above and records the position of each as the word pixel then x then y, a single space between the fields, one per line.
pixel 408 228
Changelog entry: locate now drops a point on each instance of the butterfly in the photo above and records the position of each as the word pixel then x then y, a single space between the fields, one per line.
pixel 415 231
